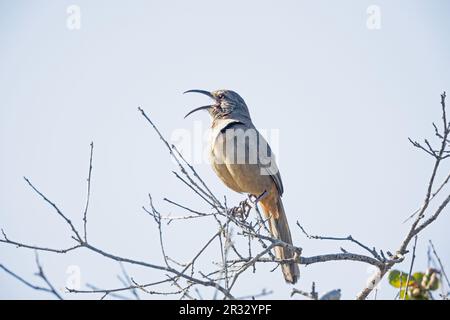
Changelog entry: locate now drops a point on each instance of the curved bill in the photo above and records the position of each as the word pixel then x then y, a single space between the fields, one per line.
pixel 197 109
pixel 206 93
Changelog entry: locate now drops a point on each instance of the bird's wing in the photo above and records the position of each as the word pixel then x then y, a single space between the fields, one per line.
pixel 268 163
pixel 265 157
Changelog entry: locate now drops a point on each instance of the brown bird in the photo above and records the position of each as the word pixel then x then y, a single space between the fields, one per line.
pixel 243 160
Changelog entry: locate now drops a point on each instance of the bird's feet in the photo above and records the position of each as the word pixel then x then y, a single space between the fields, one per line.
pixel 242 210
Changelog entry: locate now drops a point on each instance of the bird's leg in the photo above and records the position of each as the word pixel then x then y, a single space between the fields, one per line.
pixel 255 199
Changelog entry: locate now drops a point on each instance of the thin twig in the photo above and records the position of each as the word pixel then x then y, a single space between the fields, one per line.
pixel 67 220
pixel 410 267
pixel 441 266
pixel 88 197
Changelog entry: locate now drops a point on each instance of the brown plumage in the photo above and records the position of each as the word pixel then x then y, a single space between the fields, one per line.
pixel 243 160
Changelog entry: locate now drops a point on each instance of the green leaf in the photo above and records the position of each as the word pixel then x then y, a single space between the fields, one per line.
pixel 397 278
pixel 418 276
pixel 394 278
pixel 402 295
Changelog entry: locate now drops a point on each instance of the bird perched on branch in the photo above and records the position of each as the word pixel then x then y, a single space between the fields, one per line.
pixel 243 160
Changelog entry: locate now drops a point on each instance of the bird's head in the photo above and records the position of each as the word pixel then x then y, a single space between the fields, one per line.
pixel 227 105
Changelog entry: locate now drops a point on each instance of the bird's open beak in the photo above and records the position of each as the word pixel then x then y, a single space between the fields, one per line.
pixel 206 93
pixel 197 109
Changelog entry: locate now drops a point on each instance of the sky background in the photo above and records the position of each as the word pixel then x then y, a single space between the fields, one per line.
pixel 343 97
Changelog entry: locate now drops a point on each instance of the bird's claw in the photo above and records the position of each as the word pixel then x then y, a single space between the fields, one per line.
pixel 242 210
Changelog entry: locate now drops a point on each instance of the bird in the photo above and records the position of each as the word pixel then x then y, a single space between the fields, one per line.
pixel 243 160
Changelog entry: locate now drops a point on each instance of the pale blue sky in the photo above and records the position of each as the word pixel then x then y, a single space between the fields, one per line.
pixel 345 99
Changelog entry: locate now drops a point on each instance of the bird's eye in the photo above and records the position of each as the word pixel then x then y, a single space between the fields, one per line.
pixel 220 96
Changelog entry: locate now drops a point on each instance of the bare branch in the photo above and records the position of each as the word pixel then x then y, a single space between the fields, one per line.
pixel 441 266
pixel 410 268
pixel 40 273
pixel 348 238
pixel 105 292
pixel 192 184
pixel 416 226
pixel 88 193
pixel 127 280
pixel 67 220
pixel 24 245
pixel 25 282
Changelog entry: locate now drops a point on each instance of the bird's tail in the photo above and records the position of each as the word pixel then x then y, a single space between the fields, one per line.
pixel 279 228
